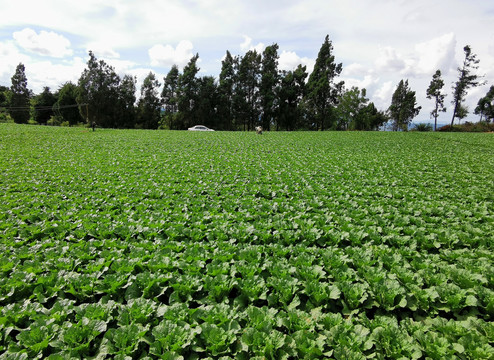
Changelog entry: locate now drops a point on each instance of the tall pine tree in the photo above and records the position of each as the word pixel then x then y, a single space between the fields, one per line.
pixel 43 103
pixel 322 89
pixel 226 88
pixel 403 106
pixel 246 100
pixel 98 87
pixel 434 92
pixel 169 97
pixel 269 83
pixel 20 96
pixel 187 94
pixel 149 105
pixel 466 80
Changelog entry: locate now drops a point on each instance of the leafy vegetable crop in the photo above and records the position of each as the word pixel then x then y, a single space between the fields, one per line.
pixel 177 245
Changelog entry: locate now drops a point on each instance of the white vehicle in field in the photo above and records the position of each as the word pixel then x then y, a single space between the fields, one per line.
pixel 200 128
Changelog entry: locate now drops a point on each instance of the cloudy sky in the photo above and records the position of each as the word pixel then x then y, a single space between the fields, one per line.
pixel 379 42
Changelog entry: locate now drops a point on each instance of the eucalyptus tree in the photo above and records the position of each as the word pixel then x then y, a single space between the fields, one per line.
pixel 434 92
pixel 226 89
pixel 269 82
pixel 149 104
pixel 290 94
pixel 126 102
pixel 369 118
pixel 466 79
pixel 43 106
pixel 350 105
pixel 187 94
pixel 207 102
pixel 169 97
pixel 403 106
pixel 19 96
pixel 323 90
pixel 98 88
pixel 66 105
pixel 246 98
pixel 485 106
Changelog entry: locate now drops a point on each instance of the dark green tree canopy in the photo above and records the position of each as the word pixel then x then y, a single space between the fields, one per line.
pixel 149 105
pixel 98 87
pixel 187 93
pixel 322 89
pixel 291 92
pixel 246 100
pixel 403 106
pixel 350 105
pixel 169 92
pixel 269 82
pixel 126 102
pixel 485 106
pixel 64 107
pixel 466 79
pixel 226 89
pixel 20 96
pixel 207 102
pixel 43 106
pixel 434 92
pixel 169 98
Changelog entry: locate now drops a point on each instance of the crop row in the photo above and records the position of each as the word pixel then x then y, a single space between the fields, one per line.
pixel 136 244
pixel 241 291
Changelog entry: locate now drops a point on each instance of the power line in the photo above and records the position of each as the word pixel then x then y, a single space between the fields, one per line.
pixel 39 108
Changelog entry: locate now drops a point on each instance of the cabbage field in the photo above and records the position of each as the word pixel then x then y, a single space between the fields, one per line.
pixel 128 244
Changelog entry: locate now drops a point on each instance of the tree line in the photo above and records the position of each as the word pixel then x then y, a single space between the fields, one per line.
pixel 250 91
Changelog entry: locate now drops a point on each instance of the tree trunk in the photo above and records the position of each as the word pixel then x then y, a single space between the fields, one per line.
pixel 454 114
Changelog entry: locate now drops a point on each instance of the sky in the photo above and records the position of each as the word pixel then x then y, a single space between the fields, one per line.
pixel 378 42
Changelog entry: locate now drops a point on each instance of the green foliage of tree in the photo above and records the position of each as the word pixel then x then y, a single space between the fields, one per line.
pixel 268 85
pixel 403 106
pixel 187 94
pixel 370 118
pixel 149 104
pixel 466 79
pixel 42 106
pixel 98 87
pixel 4 102
pixel 434 92
pixel 246 99
pixel 4 96
pixel 354 112
pixel 226 89
pixel 485 106
pixel 169 97
pixel 127 113
pixel 207 102
pixel 64 107
pixel 322 89
pixel 291 91
pixel 350 105
pixel 20 96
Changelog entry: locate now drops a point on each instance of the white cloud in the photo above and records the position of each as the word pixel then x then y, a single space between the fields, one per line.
pixel 45 43
pixel 366 82
pixel 101 49
pixel 247 45
pixel 428 56
pixel 289 60
pixel 167 56
pixel 390 60
pixel 354 69
pixel 46 73
pixel 10 57
pixel 438 53
pixel 382 96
